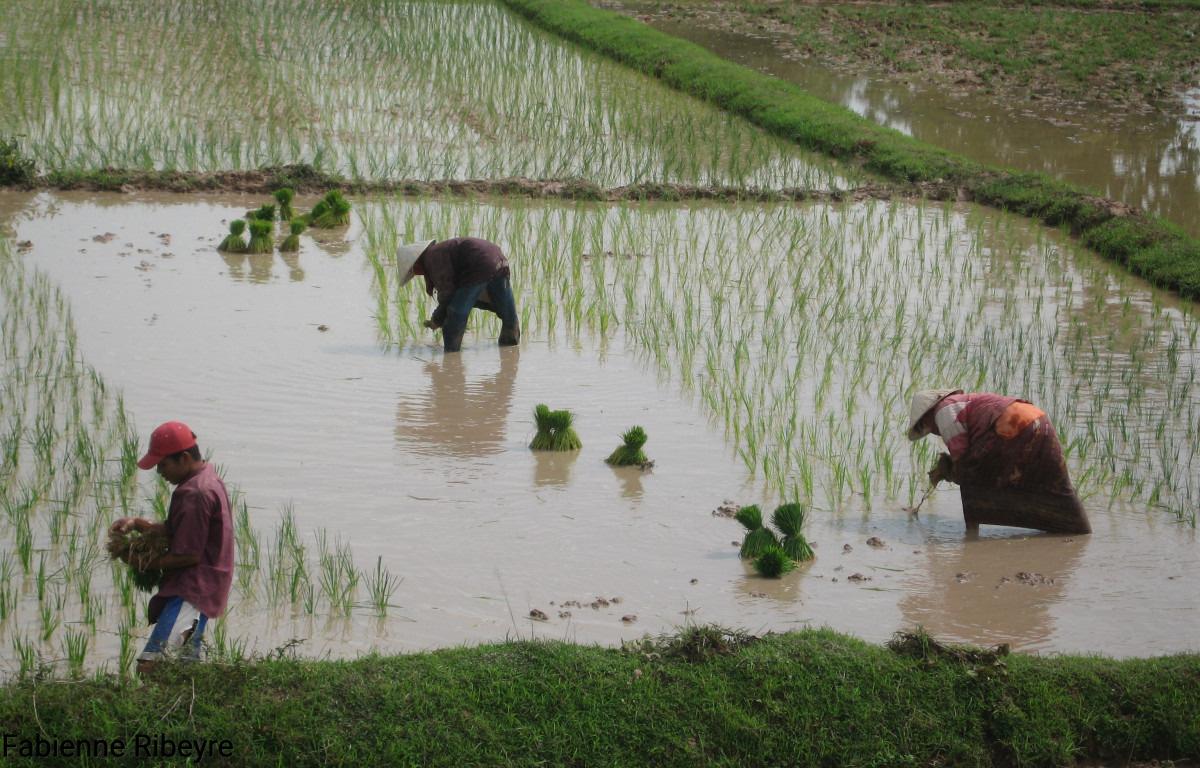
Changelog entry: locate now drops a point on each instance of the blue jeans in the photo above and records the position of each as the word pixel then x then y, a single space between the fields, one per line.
pixel 500 302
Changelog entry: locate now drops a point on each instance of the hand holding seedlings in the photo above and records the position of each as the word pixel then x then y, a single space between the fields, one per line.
pixel 465 273
pixel 1005 456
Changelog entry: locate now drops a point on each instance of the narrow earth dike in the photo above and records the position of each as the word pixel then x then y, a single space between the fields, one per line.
pixel 704 697
pixel 1150 247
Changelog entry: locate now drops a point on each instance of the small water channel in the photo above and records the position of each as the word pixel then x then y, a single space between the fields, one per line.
pixel 1151 161
pixel 421 460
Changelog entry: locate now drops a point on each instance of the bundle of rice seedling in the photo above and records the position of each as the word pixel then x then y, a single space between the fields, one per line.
pixel 750 516
pixel 554 431
pixel 234 242
pixel 789 519
pixel 331 211
pixel 773 563
pixel 260 237
pixel 291 243
pixel 265 213
pixel 630 453
pixel 757 542
pixel 139 549
pixel 284 197
pixel 797 548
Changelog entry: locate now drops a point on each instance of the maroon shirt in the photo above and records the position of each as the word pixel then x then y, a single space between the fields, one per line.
pixel 199 523
pixel 450 264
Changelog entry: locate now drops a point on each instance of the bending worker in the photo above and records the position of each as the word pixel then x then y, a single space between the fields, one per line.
pixel 464 272
pixel 1005 457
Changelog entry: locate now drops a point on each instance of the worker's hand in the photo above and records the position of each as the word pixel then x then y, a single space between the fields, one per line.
pixel 432 325
pixel 123 524
pixel 943 470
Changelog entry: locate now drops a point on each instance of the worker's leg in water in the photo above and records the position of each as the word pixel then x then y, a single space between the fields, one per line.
pixel 457 312
pixel 505 306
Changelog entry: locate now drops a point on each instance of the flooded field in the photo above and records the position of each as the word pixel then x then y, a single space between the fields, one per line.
pixel 396 91
pixel 767 351
pixel 1151 161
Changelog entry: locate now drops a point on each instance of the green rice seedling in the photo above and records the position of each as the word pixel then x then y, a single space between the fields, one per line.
pixel 8 601
pixel 382 585
pixel 554 430
pixel 750 516
pixel 291 243
pixel 260 237
pixel 756 542
pixel 49 615
pixel 797 548
pixel 75 646
pixel 265 212
pixel 773 562
pixel 283 197
pixel 332 211
pixel 233 243
pixel 126 653
pixel 630 452
pixel 26 653
pixel 788 518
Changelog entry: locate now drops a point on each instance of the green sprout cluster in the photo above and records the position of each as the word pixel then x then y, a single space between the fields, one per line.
pixel 554 431
pixel 234 242
pixel 630 453
pixel 331 211
pixel 283 197
pixel 291 243
pixel 774 554
pixel 260 236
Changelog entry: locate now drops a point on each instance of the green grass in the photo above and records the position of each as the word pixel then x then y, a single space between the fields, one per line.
pixel 1150 247
pixel 1069 50
pixel 807 698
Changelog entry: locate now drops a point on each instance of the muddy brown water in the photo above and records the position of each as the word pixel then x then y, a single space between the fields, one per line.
pixel 1151 161
pixel 422 459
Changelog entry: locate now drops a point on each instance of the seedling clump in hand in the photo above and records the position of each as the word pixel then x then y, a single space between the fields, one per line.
pixel 138 549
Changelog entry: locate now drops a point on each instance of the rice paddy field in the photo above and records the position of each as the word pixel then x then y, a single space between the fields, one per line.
pixel 385 494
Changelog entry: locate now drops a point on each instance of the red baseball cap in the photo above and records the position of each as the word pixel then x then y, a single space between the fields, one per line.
pixel 171 437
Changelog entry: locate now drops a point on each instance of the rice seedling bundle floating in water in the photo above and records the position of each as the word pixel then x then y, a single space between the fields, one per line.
pixel 773 563
pixel 291 243
pixel 554 430
pixel 284 197
pixel 260 236
pixel 331 211
pixel 264 213
pixel 630 452
pixel 788 519
pixel 234 242
pixel 139 549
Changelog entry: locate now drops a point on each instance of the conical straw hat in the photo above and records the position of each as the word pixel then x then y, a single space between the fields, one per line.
pixel 406 257
pixel 921 403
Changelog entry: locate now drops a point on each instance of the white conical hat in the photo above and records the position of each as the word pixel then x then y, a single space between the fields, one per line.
pixel 921 403
pixel 406 257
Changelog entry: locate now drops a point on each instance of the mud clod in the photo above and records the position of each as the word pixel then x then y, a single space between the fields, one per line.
pixel 727 509
pixel 538 615
pixel 876 542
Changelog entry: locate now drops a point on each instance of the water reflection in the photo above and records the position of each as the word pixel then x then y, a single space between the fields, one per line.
pixel 631 481
pixel 1151 161
pixel 455 414
pixel 998 588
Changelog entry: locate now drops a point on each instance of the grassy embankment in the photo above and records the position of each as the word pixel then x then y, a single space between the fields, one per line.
pixel 805 698
pixel 1151 247
pixel 1119 53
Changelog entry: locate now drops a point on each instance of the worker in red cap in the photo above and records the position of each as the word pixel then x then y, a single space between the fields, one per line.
pixel 198 565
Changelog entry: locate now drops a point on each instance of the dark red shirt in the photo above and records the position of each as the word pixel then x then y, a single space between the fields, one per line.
pixel 199 523
pixel 450 264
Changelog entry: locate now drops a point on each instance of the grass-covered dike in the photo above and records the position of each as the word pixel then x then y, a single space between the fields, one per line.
pixel 704 697
pixel 1150 247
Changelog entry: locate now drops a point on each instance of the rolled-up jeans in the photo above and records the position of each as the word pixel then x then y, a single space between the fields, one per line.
pixel 499 300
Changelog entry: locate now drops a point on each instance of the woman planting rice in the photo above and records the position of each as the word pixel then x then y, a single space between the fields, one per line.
pixel 1005 457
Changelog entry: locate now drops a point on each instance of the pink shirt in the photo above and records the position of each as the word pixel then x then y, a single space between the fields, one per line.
pixel 199 523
